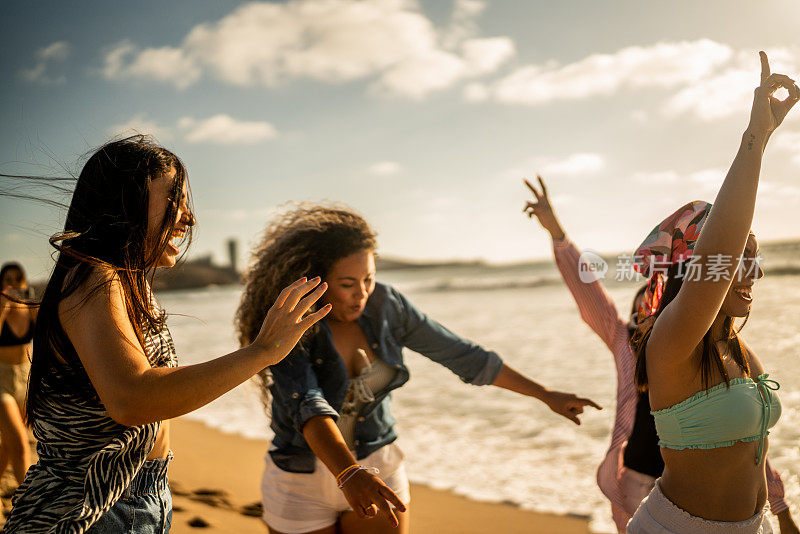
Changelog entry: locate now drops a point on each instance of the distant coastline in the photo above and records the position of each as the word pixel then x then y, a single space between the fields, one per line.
pixel 203 272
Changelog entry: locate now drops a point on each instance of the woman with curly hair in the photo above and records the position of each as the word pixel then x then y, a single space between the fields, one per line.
pixel 334 432
pixel 104 375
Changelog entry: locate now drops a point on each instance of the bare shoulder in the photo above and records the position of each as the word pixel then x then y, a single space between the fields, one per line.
pixel 100 294
pixel 756 367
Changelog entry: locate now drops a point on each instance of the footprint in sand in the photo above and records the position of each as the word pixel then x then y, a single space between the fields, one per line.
pixel 198 522
pixel 212 497
pixel 255 509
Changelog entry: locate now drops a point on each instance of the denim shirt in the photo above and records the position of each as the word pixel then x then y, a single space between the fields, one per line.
pixel 312 380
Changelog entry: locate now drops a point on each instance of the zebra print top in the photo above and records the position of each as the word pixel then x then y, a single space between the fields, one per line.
pixel 86 459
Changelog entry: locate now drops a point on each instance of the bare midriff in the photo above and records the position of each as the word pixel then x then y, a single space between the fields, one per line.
pixel 14 354
pixel 161 448
pixel 722 484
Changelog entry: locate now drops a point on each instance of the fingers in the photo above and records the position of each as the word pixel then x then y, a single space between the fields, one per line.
pixel 315 317
pixel 285 293
pixel 309 300
pixel 532 188
pixel 764 65
pixel 794 93
pixel 779 80
pixel 573 417
pixel 589 402
pixel 298 292
pixel 390 496
pixel 541 183
pixel 387 511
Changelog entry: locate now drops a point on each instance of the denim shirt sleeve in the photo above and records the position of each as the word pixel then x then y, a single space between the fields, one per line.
pixel 472 363
pixel 296 389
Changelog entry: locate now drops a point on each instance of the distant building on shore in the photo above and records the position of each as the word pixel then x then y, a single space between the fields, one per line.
pixel 201 272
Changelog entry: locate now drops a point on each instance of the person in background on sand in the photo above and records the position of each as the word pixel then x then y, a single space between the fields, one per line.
pixel 104 376
pixel 334 432
pixel 17 320
pixel 633 462
pixel 713 403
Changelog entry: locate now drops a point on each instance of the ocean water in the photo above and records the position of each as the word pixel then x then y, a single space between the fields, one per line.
pixel 487 443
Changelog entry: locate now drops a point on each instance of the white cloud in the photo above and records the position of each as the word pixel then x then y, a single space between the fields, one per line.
pixel 225 130
pixel 56 52
pixel 703 181
pixel 334 41
pixel 219 129
pixel 708 80
pixel 712 177
pixel 384 168
pixel 664 65
pixel 775 191
pixel 139 124
pixel 166 64
pixel 576 164
pixel 655 178
pixel 729 91
pixel 789 142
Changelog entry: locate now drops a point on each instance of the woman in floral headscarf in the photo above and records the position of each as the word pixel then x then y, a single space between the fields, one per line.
pixel 633 461
pixel 712 401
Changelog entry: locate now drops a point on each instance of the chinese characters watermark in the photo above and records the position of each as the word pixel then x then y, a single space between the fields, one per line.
pixel 714 268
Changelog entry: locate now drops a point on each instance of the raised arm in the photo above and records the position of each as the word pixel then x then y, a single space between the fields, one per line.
pixel 595 305
pixel 694 309
pixel 133 392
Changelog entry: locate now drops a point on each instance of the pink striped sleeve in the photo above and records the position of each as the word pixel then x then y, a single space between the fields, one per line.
pixel 775 491
pixel 594 303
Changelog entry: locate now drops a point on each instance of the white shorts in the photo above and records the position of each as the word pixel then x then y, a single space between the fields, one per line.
pixel 295 503
pixel 658 515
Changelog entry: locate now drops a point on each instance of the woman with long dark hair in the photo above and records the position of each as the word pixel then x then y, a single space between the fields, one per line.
pixel 712 401
pixel 17 320
pixel 633 461
pixel 104 375
pixel 334 432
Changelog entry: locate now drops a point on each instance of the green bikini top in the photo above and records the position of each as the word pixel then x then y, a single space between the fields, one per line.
pixel 721 416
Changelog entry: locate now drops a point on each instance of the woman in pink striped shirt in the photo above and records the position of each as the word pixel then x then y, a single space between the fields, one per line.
pixel 633 461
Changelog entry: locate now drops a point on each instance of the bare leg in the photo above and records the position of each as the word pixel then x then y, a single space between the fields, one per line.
pixel 14 437
pixel 327 530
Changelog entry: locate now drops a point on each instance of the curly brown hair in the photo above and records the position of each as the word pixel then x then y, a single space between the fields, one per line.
pixel 303 240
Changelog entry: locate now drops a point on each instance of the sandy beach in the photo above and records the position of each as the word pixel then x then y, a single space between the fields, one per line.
pixel 215 480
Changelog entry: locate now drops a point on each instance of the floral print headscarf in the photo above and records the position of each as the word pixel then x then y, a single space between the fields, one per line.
pixel 670 242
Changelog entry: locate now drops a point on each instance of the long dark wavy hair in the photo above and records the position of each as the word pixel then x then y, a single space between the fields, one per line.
pixel 305 240
pixel 710 357
pixel 106 228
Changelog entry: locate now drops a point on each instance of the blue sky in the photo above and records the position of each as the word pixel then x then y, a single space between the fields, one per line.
pixel 423 116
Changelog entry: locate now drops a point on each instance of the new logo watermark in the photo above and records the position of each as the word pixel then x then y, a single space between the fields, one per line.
pixel 591 267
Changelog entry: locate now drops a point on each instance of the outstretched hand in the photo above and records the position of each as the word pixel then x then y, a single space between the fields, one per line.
pixel 368 495
pixel 768 112
pixel 569 405
pixel 284 324
pixel 542 209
